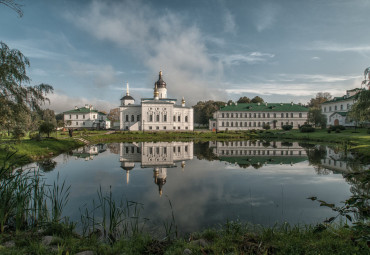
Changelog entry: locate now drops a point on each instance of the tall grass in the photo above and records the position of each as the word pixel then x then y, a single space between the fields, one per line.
pixel 111 218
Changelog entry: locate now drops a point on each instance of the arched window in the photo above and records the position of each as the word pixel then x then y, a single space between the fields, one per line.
pixel 157 118
pixel 174 118
pixel 186 118
pixel 274 115
pixel 236 124
pixel 232 124
pixel 223 124
pixel 223 115
pixel 287 115
pixel 227 115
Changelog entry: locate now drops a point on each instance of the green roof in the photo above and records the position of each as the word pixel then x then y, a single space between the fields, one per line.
pixel 270 107
pixel 338 99
pixel 264 159
pixel 344 114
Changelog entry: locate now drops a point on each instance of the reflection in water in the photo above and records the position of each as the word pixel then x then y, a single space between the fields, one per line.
pixel 210 192
pixel 258 153
pixel 88 152
pixel 159 156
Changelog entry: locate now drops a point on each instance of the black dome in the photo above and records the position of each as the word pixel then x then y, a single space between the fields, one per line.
pixel 127 98
pixel 160 83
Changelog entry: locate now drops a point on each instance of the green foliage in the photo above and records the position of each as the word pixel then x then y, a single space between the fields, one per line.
pixel 320 98
pixel 287 127
pixel 46 128
pixel 244 100
pixel 306 129
pixel 316 117
pixel 266 126
pixel 203 111
pixel 257 99
pixel 360 110
pixel 17 100
pixel 18 133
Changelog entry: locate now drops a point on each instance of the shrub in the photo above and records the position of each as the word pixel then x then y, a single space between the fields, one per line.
pixel 35 136
pixel 338 127
pixel 18 133
pixel 287 127
pixel 368 130
pixel 266 126
pixel 307 128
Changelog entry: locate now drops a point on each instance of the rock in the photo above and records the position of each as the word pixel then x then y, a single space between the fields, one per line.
pixel 187 251
pixel 200 242
pixel 9 244
pixel 46 240
pixel 85 253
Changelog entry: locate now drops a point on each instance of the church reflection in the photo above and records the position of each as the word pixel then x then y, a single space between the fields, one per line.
pixel 158 156
pixel 89 152
pixel 258 153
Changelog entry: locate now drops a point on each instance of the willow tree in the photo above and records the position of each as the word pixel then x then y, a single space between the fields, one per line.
pixel 360 111
pixel 17 97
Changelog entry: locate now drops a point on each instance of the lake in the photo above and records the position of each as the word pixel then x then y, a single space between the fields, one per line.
pixel 207 183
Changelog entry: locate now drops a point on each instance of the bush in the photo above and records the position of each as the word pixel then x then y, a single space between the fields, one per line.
pixel 338 127
pixel 307 128
pixel 35 136
pixel 287 127
pixel 266 126
pixel 368 130
pixel 18 133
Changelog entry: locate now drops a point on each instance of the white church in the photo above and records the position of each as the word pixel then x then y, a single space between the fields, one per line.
pixel 155 114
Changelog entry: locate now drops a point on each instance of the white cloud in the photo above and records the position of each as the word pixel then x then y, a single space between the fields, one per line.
pixel 336 47
pixel 250 58
pixel 160 39
pixel 61 102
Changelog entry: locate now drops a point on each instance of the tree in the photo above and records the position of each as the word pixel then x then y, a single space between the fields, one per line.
pixel 244 100
pixel 113 115
pixel 203 111
pixel 46 128
pixel 316 117
pixel 257 99
pixel 16 98
pixel 13 5
pixel 320 98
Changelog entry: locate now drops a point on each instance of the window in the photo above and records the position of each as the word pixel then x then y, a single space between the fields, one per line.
pixel 254 124
pixel 174 149
pixel 250 115
pixel 165 150
pixel 157 128
pixel 132 150
pixel 347 108
pixel 157 118
pixel 164 127
pixel 223 115
pixel 126 150
pixel 282 124
pixel 76 123
pixel 186 118
pixel 282 115
pixel 335 107
pixel 291 123
pixel 174 118
pixel 232 124
pixel 178 127
pixel 291 115
pixel 76 117
pixel 94 116
pixel 287 115
pixel 250 124
pixel 300 115
pixel 274 115
pixel 138 117
pixel 132 118
pixel 259 115
pixel 70 116
pixel 341 107
pixel 126 117
pixel 259 124
pixel 179 118
pixel 329 108
pixel 83 123
pixel 245 124
pixel 241 124
pixel 227 115
pixel 150 117
pixel 245 115
pixel 254 115
pixel 236 124
pixel 83 116
pixel 150 127
pixel 324 109
pixel 178 149
pixel 126 128
pixel 227 124
pixel 165 118
pixel 232 115
pixel 223 124
pixel 150 150
pixel 186 148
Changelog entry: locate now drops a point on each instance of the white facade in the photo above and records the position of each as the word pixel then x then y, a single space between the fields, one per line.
pixel 336 110
pixel 155 114
pixel 237 117
pixel 85 117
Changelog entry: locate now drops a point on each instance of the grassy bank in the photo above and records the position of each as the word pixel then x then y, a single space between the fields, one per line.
pixel 32 150
pixel 358 141
pixel 232 238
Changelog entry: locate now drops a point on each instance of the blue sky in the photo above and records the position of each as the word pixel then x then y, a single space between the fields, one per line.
pixel 282 50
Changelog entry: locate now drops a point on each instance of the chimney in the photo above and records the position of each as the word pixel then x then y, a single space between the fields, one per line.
pixel 87 106
pixel 76 107
pixel 291 103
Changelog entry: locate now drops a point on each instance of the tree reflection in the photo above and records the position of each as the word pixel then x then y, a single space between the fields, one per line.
pixel 47 165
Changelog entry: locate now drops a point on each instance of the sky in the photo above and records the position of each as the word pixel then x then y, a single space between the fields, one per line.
pixel 282 51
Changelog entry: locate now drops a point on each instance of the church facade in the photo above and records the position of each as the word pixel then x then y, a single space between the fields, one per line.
pixel 158 113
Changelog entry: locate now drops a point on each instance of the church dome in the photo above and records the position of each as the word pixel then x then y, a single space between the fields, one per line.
pixel 160 83
pixel 127 98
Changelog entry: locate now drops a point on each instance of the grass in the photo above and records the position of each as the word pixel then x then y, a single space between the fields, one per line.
pixel 32 150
